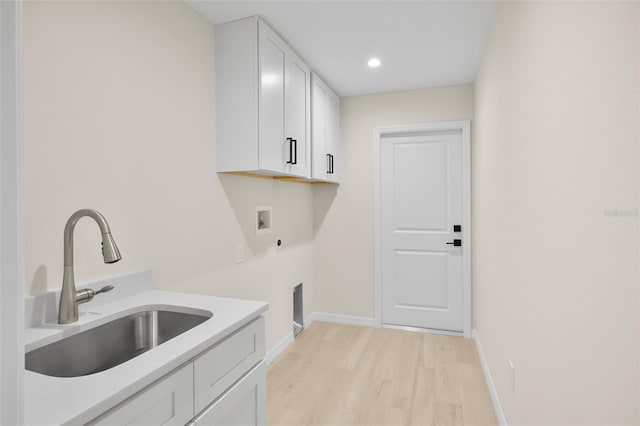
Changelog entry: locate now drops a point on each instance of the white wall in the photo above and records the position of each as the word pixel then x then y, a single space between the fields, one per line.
pixel 344 215
pixel 555 176
pixel 119 110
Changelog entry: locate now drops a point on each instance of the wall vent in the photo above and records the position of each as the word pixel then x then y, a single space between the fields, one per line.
pixel 298 322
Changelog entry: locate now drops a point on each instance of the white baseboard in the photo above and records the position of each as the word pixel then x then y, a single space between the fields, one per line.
pixel 487 376
pixel 280 347
pixel 340 319
pixel 309 320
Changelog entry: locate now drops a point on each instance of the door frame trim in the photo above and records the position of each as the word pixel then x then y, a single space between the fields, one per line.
pixel 12 254
pixel 378 133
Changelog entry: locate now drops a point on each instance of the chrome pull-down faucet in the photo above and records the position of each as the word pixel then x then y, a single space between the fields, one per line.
pixel 70 298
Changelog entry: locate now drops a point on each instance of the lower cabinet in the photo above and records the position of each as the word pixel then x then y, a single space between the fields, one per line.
pixel 169 402
pixel 223 385
pixel 216 369
pixel 242 405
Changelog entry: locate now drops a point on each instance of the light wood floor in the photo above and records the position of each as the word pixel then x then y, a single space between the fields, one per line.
pixel 346 375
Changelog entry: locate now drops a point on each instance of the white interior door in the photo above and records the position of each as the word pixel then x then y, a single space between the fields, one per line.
pixel 421 201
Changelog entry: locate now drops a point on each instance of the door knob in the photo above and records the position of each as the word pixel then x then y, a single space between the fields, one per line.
pixel 456 243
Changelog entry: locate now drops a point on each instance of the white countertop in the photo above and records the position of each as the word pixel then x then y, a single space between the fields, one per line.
pixel 77 400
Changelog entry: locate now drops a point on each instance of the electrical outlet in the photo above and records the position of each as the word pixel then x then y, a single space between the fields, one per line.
pixel 512 377
pixel 240 253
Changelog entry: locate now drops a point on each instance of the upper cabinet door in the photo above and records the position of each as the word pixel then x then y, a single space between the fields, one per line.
pixel 320 160
pixel 272 102
pixel 296 112
pixel 325 131
pixel 262 102
pixel 332 141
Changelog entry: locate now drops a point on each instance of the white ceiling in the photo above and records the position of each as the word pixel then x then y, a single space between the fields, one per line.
pixel 421 43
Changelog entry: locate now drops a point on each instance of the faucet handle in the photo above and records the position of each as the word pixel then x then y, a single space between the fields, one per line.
pixel 87 294
pixel 104 289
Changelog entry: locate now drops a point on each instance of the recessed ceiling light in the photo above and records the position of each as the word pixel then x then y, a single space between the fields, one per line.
pixel 374 63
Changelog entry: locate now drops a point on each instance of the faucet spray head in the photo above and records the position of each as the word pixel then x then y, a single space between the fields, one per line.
pixel 110 251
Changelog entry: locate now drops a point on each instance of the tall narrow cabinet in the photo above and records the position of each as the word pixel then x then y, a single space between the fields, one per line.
pixel 262 102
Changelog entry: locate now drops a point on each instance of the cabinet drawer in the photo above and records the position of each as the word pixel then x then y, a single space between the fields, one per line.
pixel 225 363
pixel 245 404
pixel 166 402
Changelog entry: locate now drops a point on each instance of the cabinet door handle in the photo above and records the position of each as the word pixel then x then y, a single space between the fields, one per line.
pixel 290 140
pixel 331 163
pixel 295 151
pixel 328 163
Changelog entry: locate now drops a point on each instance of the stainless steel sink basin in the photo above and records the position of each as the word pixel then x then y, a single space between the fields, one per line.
pixel 111 344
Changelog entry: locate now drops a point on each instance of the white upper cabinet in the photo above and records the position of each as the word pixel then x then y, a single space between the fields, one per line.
pixel 262 102
pixel 325 132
